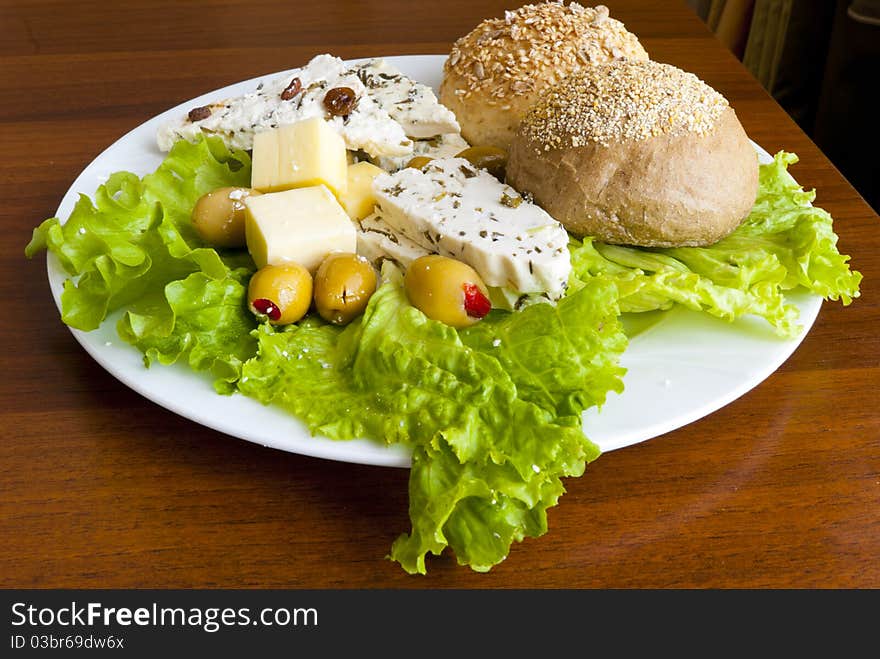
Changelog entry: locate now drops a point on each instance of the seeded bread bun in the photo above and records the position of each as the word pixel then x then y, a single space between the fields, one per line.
pixel 637 153
pixel 496 72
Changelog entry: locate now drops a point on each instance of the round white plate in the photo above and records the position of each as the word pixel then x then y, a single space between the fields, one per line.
pixel 681 368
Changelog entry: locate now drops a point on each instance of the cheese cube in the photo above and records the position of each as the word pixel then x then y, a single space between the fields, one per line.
pixel 359 200
pixel 301 226
pixel 300 155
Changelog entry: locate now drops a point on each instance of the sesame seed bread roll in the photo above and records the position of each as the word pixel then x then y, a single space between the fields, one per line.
pixel 496 72
pixel 637 153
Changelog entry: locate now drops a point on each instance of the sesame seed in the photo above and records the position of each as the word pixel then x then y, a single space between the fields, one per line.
pixel 622 100
pixel 533 43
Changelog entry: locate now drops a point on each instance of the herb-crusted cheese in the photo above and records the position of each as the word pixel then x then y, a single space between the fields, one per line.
pixel 447 145
pixel 413 105
pixel 367 127
pixel 449 207
pixel 378 241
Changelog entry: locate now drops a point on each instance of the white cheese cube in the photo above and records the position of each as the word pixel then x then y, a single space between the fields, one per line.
pixel 449 207
pixel 300 155
pixel 302 226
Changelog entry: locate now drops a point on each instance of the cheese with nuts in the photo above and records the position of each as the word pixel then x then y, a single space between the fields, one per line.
pixel 411 104
pixel 451 208
pixel 301 226
pixel 367 127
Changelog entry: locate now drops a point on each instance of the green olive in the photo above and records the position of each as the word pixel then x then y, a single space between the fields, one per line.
pixel 343 286
pixel 490 158
pixel 418 162
pixel 447 290
pixel 281 292
pixel 218 216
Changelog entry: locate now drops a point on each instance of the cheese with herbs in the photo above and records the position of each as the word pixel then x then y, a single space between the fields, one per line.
pixel 447 145
pixel 378 241
pixel 450 207
pixel 411 104
pixel 367 127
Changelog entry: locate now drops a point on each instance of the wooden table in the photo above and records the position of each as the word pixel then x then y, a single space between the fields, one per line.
pixel 101 488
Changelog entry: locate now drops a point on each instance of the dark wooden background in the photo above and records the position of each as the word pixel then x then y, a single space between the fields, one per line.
pixel 101 488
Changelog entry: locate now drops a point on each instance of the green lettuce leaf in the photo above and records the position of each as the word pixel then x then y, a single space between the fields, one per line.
pixel 469 403
pixel 203 320
pixel 784 242
pixel 478 507
pixel 137 235
pixel 135 248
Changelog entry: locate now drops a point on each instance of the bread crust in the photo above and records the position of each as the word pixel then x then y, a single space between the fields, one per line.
pixel 484 121
pixel 670 190
pixel 496 72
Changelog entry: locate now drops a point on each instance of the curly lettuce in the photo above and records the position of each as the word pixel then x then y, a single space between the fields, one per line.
pixel 785 242
pixel 492 434
pixel 134 248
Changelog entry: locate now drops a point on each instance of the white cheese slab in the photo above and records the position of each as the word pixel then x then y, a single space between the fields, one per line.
pixel 378 241
pixel 368 127
pixel 413 105
pixel 447 145
pixel 451 208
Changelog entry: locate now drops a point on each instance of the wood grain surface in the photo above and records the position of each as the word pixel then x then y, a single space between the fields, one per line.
pixel 101 488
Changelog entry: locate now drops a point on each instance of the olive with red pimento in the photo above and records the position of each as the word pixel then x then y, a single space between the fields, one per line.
pixel 447 290
pixel 281 293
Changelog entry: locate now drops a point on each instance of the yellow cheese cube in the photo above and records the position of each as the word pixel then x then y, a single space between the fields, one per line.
pixel 358 200
pixel 302 226
pixel 300 155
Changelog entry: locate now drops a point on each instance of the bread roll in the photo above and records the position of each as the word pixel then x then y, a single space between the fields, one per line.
pixel 637 153
pixel 496 72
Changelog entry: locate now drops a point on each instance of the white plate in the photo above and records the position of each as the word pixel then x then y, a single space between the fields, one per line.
pixel 681 368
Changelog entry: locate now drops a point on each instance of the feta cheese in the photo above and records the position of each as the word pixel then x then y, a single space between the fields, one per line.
pixel 378 241
pixel 411 104
pixel 442 146
pixel 300 155
pixel 302 226
pixel 236 120
pixel 449 207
